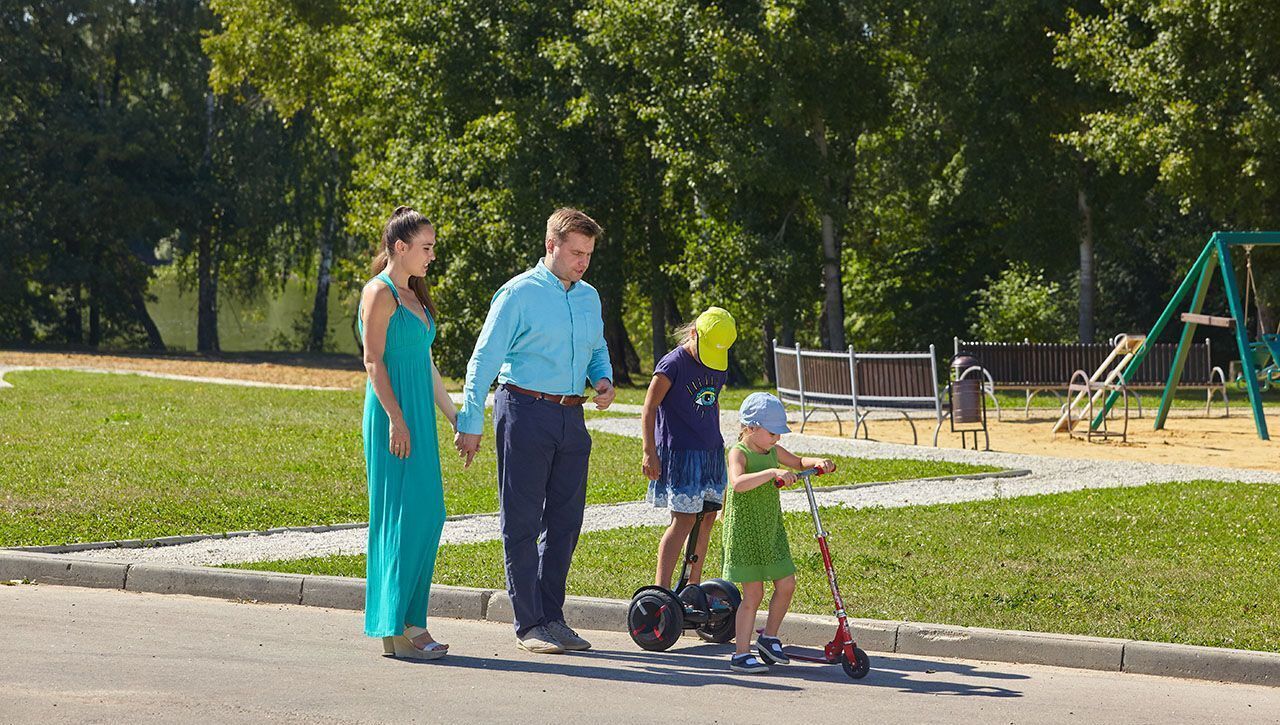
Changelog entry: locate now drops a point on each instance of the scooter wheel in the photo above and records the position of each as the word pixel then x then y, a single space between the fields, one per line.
pixel 860 666
pixel 725 594
pixel 655 619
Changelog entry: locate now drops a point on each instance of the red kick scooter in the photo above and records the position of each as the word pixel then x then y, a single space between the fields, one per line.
pixel 841 648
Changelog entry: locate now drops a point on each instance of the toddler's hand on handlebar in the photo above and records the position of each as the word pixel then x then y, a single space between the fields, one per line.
pixel 826 465
pixel 783 477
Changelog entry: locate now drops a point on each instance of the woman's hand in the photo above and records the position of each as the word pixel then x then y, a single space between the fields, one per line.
pixel 651 464
pixel 399 438
pixel 786 477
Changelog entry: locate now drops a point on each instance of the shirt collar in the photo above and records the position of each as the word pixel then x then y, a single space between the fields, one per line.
pixel 541 272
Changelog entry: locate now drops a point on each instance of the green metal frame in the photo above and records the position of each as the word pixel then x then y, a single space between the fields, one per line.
pixel 1216 256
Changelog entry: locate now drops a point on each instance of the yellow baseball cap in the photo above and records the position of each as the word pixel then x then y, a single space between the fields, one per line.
pixel 716 333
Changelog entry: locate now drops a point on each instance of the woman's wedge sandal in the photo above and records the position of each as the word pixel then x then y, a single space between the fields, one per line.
pixel 403 646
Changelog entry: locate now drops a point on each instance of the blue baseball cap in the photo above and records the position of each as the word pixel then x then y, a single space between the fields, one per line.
pixel 764 411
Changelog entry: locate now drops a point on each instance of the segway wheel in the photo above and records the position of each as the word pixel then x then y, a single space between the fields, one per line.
pixel 655 619
pixel 860 666
pixel 722 595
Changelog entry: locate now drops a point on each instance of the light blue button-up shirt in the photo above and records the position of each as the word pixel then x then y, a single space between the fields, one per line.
pixel 539 336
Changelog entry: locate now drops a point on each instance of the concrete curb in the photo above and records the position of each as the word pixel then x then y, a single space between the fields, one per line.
pixel 905 638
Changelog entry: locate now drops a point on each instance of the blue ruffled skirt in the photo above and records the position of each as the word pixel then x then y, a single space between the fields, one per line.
pixel 690 481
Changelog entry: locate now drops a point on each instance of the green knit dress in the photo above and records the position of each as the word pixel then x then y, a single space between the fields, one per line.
pixel 755 542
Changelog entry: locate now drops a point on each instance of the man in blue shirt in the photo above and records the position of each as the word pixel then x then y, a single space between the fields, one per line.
pixel 544 342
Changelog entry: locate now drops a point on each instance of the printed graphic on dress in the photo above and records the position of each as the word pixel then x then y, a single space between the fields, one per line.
pixel 704 394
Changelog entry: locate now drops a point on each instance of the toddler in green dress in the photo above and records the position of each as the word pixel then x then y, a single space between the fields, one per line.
pixel 755 542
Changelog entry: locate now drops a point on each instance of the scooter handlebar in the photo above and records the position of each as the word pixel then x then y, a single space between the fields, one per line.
pixel 815 471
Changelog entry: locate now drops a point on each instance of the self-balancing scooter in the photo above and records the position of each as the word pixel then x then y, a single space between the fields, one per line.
pixel 658 616
pixel 841 648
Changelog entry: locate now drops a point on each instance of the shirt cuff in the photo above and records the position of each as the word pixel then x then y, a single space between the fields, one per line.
pixel 469 422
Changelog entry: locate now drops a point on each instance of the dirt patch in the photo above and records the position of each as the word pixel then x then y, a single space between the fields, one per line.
pixel 1186 439
pixel 330 371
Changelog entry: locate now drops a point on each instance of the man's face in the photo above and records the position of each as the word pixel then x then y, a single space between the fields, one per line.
pixel 571 257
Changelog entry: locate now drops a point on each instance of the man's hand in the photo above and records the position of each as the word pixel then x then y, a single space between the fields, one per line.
pixel 604 394
pixel 468 445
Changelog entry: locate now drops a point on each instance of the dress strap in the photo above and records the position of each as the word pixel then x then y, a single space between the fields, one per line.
pixel 386 279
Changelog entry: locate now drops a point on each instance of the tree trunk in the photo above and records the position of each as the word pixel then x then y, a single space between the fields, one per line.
pixel 95 317
pixel 658 319
pixel 1088 281
pixel 770 373
pixel 207 295
pixel 832 285
pixel 787 335
pixel 154 341
pixel 632 357
pixel 615 335
pixel 674 318
pixel 320 307
pixel 73 321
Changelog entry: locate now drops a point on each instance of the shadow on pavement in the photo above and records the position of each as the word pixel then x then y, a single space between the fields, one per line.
pixel 707 664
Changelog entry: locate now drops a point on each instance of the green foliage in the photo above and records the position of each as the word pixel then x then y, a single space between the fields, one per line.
pixel 1020 304
pixel 942 140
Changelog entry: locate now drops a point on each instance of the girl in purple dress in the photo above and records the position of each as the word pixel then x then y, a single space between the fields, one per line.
pixel 683 448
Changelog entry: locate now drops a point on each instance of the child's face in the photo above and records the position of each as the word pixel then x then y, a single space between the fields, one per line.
pixel 761 438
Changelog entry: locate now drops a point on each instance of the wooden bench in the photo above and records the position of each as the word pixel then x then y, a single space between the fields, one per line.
pixel 1036 367
pixel 859 382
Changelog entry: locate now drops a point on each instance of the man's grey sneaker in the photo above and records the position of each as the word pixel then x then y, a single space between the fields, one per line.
pixel 567 638
pixel 541 641
pixel 748 663
pixel 770 649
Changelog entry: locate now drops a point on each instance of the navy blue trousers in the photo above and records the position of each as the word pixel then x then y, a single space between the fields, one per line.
pixel 543 449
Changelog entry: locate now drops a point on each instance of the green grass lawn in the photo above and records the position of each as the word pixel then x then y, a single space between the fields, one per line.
pixel 87 457
pixel 1189 562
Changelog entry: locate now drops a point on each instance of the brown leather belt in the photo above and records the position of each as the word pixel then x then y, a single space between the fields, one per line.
pixel 561 399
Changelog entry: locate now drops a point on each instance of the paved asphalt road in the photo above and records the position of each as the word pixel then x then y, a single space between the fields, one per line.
pixel 91 655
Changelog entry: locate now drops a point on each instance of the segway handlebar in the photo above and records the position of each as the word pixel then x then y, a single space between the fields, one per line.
pixel 815 471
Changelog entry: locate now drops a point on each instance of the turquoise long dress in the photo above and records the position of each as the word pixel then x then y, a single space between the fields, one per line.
pixel 406 496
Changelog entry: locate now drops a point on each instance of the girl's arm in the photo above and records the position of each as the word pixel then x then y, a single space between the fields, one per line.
pixel 376 307
pixel 791 460
pixel 742 481
pixel 443 401
pixel 658 388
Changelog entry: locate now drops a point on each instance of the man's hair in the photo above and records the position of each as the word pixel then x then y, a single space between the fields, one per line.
pixel 566 219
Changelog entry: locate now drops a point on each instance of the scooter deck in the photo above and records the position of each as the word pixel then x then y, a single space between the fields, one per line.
pixel 807 654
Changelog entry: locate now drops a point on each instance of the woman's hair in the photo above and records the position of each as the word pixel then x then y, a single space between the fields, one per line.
pixel 685 332
pixel 403 224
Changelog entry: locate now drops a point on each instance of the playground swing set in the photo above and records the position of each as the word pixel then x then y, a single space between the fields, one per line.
pixel 1259 358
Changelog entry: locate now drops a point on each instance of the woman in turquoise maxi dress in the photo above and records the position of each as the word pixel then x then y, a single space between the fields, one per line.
pixel 406 495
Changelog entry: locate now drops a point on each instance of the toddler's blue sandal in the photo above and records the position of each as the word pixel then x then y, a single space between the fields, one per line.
pixel 770 649
pixel 748 663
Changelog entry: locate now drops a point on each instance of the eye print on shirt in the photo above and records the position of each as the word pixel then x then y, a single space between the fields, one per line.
pixel 704 396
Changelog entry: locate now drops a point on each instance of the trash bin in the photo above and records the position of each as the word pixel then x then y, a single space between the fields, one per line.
pixel 961 363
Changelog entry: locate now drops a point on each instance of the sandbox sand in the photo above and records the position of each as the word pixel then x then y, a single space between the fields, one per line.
pixel 1188 438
